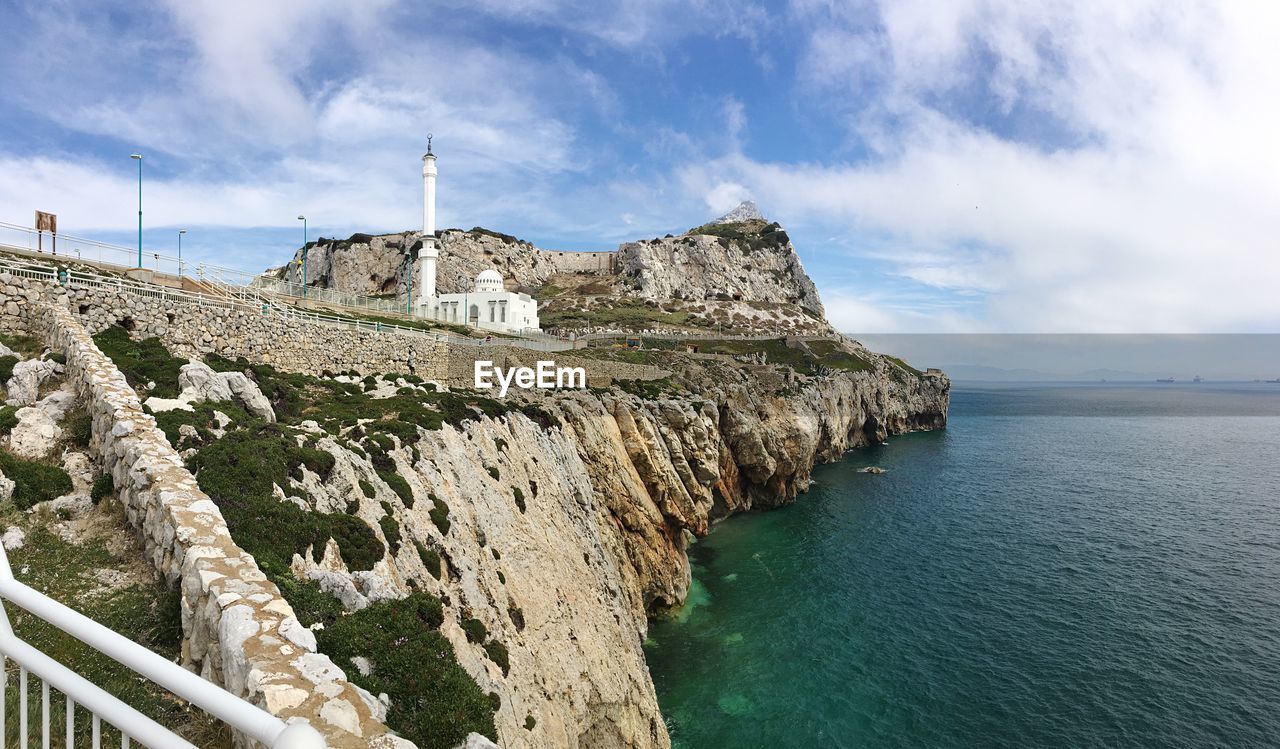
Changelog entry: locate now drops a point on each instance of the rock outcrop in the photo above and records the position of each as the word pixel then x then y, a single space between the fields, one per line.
pixel 28 375
pixel 563 541
pixel 746 261
pixel 747 210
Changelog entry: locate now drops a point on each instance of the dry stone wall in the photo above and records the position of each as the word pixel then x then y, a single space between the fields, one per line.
pixel 193 330
pixel 239 631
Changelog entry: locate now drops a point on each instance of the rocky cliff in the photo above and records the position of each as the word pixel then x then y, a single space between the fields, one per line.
pixel 375 265
pixel 564 537
pixel 738 258
pixel 732 261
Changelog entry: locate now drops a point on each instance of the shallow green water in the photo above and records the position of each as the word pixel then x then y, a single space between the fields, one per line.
pixel 1063 566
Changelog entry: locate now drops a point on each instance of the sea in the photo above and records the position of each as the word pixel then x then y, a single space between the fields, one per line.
pixel 1065 565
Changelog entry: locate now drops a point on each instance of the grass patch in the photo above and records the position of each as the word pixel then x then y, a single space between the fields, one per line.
pixel 26 345
pixel 147 613
pixel 142 362
pixel 104 486
pixel 434 702
pixel 33 482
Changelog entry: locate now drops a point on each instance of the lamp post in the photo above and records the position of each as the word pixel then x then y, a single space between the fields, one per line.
pixel 409 305
pixel 180 233
pixel 303 219
pixel 138 156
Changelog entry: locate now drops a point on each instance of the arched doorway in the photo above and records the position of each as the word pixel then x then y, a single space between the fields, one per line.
pixel 474 314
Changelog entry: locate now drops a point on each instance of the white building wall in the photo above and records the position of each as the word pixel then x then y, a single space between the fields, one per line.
pixel 499 311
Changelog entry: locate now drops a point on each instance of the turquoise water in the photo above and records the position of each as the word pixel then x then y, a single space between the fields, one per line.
pixel 1063 566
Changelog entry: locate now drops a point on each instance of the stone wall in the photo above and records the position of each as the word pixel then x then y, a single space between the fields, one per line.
pixel 239 631
pixel 602 263
pixel 193 330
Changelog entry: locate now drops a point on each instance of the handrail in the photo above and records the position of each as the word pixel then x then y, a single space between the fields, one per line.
pixel 244 717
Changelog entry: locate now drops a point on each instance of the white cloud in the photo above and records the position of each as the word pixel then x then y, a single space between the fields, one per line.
pixel 1150 215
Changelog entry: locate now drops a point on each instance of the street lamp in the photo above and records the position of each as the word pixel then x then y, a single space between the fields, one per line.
pixel 138 156
pixel 303 219
pixel 180 233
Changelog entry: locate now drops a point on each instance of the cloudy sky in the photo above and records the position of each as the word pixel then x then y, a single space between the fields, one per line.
pixel 992 166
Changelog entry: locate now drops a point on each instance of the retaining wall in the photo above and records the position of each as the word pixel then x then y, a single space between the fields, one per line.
pixel 239 632
pixel 191 329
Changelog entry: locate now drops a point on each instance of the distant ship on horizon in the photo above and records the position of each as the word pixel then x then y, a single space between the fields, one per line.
pixel 1197 378
pixel 1165 379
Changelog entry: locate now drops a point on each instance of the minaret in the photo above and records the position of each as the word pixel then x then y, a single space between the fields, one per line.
pixel 429 251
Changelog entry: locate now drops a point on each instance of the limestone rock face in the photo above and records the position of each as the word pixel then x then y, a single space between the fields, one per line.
pixel 28 375
pixel 38 428
pixel 562 541
pixel 376 265
pixel 747 210
pixel 199 383
pixel 749 261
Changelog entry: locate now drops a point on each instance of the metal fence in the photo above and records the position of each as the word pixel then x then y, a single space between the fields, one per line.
pixel 83 696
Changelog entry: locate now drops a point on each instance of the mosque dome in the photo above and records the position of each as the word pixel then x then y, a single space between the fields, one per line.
pixel 489 281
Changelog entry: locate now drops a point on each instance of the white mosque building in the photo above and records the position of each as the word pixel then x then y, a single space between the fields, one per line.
pixel 488 305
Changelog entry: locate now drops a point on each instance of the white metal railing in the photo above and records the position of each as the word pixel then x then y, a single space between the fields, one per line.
pixel 101 707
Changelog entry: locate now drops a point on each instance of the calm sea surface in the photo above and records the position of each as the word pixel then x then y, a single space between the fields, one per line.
pixel 1063 566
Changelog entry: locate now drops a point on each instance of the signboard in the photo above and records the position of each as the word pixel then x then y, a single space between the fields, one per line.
pixel 46 222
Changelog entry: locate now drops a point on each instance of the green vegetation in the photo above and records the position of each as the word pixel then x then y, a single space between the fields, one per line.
pixel 142 362
pixel 440 515
pixel 310 604
pixel 399 486
pixel 475 630
pixel 26 345
pixel 530 722
pixel 367 489
pixel 7 364
pixel 756 235
pixel 202 419
pixel 239 472
pixel 430 559
pixel 104 486
pixel 78 426
pixel 390 528
pixel 434 702
pixel 146 612
pixel 616 313
pixel 506 238
pixel 8 419
pixel 519 497
pixel 493 472
pixel 497 653
pixel 902 364
pixel 33 481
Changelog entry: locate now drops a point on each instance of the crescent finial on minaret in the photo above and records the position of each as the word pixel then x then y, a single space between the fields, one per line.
pixel 428 153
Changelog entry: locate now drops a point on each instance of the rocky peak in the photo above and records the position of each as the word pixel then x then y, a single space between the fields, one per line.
pixel 747 210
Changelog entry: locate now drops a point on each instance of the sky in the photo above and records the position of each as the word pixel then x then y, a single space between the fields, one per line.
pixel 969 166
